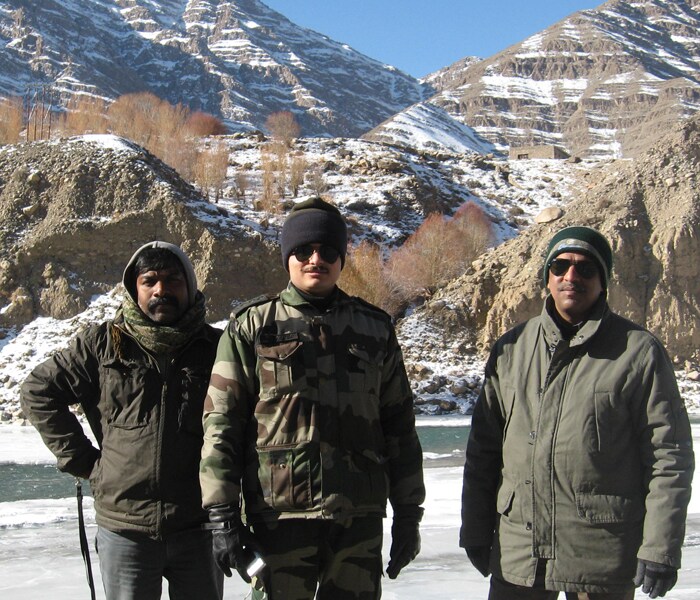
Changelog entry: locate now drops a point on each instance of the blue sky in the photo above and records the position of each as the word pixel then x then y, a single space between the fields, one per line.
pixel 420 36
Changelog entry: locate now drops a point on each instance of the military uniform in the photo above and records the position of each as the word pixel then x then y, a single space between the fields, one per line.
pixel 309 416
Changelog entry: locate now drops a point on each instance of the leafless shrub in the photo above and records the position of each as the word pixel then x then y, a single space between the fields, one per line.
pixel 201 124
pixel 11 120
pixel 240 183
pixel 283 127
pixel 438 251
pixel 364 276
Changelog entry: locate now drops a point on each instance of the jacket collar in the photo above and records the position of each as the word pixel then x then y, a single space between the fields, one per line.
pixel 293 297
pixel 553 333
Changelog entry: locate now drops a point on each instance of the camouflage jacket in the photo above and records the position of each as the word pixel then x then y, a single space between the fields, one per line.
pixel 310 413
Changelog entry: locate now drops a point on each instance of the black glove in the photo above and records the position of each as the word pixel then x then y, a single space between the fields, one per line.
pixel 405 538
pixel 479 556
pixel 233 544
pixel 656 579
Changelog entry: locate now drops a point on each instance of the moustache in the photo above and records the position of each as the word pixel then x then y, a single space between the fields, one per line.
pixel 572 287
pixel 314 269
pixel 163 301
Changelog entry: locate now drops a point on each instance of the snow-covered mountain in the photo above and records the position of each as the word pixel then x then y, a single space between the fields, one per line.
pixel 236 59
pixel 425 126
pixel 600 83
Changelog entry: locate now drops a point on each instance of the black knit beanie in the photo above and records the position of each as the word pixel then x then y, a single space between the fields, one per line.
pixel 583 240
pixel 314 221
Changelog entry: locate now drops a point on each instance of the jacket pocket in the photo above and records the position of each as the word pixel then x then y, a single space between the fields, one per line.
pixel 125 393
pixel 365 368
pixel 364 482
pixel 278 368
pixel 594 507
pixel 290 477
pixel 611 425
pixel 358 400
pixel 504 498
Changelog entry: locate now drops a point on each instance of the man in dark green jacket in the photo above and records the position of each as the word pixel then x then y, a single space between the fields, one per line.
pixel 140 379
pixel 309 423
pixel 579 460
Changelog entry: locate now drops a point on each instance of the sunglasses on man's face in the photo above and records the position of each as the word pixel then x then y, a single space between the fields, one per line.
pixel 585 268
pixel 327 253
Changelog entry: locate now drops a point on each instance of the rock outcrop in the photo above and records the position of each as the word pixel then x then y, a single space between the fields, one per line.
pixel 74 211
pixel 649 209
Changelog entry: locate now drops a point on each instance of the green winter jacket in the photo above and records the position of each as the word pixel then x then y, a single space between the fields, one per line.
pixel 144 476
pixel 580 453
pixel 310 413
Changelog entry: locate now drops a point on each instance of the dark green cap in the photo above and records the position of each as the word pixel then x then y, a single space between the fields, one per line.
pixel 583 240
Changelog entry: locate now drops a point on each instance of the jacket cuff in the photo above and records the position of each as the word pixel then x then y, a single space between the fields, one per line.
pixel 408 512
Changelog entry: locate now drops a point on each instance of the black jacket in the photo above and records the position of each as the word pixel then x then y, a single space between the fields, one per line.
pixel 144 476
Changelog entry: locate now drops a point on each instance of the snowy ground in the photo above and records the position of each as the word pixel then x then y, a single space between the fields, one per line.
pixel 43 561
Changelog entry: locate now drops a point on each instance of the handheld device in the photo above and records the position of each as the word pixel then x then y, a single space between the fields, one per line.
pixel 255 566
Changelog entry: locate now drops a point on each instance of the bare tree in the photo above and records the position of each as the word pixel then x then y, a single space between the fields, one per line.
pixel 297 170
pixel 84 114
pixel 268 198
pixel 11 120
pixel 283 127
pixel 210 170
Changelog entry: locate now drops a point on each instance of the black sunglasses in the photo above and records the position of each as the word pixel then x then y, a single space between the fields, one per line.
pixel 327 253
pixel 585 268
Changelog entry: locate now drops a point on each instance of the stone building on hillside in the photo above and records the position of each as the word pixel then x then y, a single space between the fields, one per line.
pixel 540 151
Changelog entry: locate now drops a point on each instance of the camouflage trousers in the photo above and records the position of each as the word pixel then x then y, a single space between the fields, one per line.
pixel 326 560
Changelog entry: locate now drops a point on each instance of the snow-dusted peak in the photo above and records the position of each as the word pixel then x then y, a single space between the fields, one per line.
pixel 425 126
pixel 601 83
pixel 239 60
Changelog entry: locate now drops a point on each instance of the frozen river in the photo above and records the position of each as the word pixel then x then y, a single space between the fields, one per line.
pixel 40 556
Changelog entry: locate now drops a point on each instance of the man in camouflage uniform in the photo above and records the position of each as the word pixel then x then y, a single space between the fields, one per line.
pixel 309 420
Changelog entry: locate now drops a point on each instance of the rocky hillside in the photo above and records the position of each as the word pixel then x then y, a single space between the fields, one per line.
pixel 72 214
pixel 73 211
pixel 238 60
pixel 649 209
pixel 601 83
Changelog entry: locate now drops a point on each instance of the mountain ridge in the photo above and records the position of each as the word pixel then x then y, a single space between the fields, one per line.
pixel 602 82
pixel 238 60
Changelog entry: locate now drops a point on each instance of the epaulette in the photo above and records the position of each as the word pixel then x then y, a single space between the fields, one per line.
pixel 243 306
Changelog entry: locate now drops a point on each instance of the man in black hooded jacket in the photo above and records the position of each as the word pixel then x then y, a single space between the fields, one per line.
pixel 140 379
